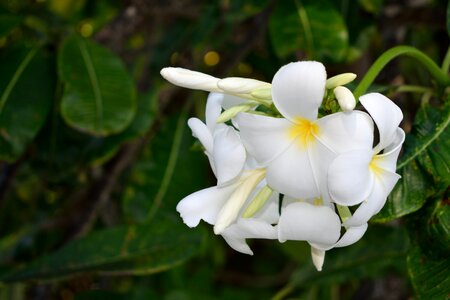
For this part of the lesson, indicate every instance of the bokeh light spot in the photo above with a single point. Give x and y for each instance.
(86, 30)
(211, 58)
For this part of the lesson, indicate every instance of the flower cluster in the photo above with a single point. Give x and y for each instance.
(285, 169)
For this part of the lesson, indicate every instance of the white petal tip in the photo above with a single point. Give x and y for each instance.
(219, 228)
(318, 257)
(164, 72)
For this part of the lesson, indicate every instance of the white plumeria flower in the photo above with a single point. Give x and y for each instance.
(298, 148)
(221, 205)
(367, 176)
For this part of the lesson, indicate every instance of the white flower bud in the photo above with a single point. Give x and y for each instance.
(341, 79)
(345, 98)
(239, 85)
(258, 202)
(191, 79)
(265, 93)
(230, 210)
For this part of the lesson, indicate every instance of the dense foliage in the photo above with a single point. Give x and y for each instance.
(95, 152)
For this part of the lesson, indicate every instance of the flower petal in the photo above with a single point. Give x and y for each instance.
(349, 178)
(388, 160)
(298, 89)
(204, 205)
(382, 186)
(251, 228)
(351, 236)
(264, 137)
(343, 132)
(213, 110)
(292, 174)
(191, 79)
(229, 155)
(386, 114)
(302, 221)
(200, 131)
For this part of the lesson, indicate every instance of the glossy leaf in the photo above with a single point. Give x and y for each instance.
(433, 130)
(429, 274)
(428, 262)
(99, 94)
(140, 249)
(26, 93)
(312, 27)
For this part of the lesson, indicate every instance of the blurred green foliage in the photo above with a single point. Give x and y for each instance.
(95, 152)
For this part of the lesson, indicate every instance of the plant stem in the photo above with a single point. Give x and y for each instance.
(413, 89)
(440, 76)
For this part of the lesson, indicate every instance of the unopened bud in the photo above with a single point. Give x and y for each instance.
(258, 202)
(264, 94)
(229, 212)
(338, 80)
(232, 112)
(239, 85)
(345, 98)
(191, 79)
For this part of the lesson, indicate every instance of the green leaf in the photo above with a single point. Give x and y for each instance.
(61, 151)
(381, 248)
(100, 149)
(99, 94)
(428, 262)
(26, 87)
(315, 28)
(430, 135)
(137, 250)
(429, 275)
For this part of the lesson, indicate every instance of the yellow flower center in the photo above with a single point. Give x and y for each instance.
(374, 165)
(303, 131)
(318, 201)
